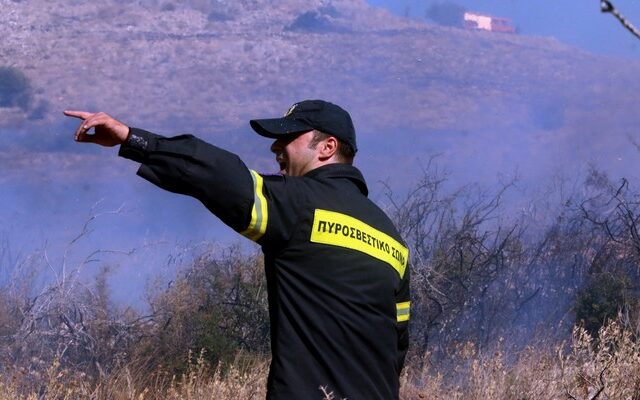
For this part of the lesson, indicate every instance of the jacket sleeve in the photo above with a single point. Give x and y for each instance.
(187, 165)
(403, 305)
(262, 208)
(282, 198)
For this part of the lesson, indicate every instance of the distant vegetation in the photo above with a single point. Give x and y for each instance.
(16, 91)
(15, 88)
(447, 14)
(317, 21)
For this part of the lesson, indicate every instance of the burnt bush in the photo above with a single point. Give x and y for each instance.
(468, 269)
(494, 281)
(612, 211)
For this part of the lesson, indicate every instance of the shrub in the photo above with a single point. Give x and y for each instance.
(600, 301)
(15, 88)
(448, 14)
(318, 21)
(218, 305)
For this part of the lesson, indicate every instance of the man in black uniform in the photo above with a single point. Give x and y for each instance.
(337, 276)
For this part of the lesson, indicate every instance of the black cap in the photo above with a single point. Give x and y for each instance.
(308, 115)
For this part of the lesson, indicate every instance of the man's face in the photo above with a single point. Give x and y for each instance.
(294, 155)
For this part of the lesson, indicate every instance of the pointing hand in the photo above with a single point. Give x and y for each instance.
(108, 131)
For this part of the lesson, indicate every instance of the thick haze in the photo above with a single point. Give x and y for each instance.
(575, 22)
(491, 106)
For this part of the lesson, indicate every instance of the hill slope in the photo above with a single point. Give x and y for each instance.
(210, 66)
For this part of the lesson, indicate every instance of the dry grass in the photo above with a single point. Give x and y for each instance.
(243, 379)
(606, 368)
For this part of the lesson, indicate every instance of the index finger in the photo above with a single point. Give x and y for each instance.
(77, 114)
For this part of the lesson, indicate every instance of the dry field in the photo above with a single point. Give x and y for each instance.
(604, 368)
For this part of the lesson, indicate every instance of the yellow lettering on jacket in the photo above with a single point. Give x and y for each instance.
(333, 228)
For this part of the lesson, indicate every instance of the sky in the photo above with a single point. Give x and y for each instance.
(579, 23)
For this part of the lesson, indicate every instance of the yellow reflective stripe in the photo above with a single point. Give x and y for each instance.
(403, 311)
(259, 212)
(333, 228)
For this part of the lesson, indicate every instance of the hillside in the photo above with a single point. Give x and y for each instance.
(492, 106)
(208, 67)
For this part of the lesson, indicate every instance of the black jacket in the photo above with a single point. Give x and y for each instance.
(337, 276)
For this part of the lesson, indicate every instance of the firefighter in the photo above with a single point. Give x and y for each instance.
(336, 268)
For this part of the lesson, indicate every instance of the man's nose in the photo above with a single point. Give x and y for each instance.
(276, 146)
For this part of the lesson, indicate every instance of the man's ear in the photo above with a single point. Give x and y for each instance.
(328, 148)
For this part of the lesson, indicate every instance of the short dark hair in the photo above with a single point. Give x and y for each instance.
(345, 153)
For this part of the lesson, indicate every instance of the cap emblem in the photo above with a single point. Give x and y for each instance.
(291, 109)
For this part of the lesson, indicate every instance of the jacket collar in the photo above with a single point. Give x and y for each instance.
(340, 171)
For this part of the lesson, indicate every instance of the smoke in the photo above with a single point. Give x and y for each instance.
(490, 107)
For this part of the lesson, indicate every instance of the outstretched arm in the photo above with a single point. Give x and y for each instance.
(187, 165)
(182, 164)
